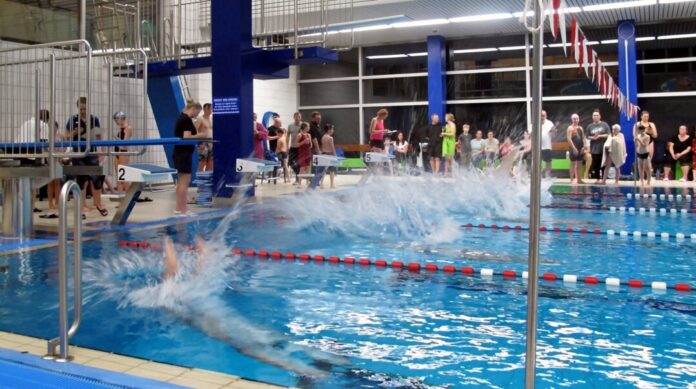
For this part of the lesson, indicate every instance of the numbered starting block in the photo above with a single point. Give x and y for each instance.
(375, 162)
(248, 168)
(321, 164)
(137, 175)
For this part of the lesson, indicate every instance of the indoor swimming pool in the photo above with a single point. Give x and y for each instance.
(320, 321)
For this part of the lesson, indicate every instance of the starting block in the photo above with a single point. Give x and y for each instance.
(255, 165)
(137, 174)
(375, 162)
(321, 164)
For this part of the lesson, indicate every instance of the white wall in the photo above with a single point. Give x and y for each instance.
(279, 96)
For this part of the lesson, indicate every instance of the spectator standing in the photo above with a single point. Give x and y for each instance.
(643, 141)
(303, 143)
(281, 151)
(598, 132)
(315, 132)
(204, 127)
(328, 148)
(183, 155)
(614, 153)
(433, 135)
(260, 136)
(464, 143)
(576, 143)
(377, 130)
(77, 131)
(125, 132)
(548, 130)
(448, 135)
(679, 150)
(293, 131)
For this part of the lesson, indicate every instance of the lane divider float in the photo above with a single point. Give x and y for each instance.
(610, 282)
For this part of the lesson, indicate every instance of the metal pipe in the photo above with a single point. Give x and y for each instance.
(262, 18)
(88, 113)
(138, 33)
(65, 333)
(110, 102)
(535, 194)
(295, 17)
(528, 91)
(361, 113)
(83, 19)
(180, 28)
(52, 108)
(37, 106)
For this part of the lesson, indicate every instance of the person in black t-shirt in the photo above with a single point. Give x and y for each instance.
(183, 154)
(315, 132)
(433, 132)
(679, 150)
(76, 130)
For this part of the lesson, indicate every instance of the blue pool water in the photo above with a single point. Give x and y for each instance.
(397, 329)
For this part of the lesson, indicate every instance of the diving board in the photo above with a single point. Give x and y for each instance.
(137, 174)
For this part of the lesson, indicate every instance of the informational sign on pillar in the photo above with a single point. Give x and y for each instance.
(226, 106)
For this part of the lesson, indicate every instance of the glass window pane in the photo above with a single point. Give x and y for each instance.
(329, 93)
(668, 113)
(395, 90)
(403, 119)
(485, 85)
(345, 121)
(347, 66)
(412, 61)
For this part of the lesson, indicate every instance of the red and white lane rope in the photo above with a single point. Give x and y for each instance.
(610, 282)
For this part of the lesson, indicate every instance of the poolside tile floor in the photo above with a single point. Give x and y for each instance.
(190, 377)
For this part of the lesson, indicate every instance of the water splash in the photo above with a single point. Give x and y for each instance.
(424, 209)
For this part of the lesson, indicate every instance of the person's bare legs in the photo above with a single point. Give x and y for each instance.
(182, 185)
(332, 176)
(571, 171)
(668, 169)
(209, 164)
(607, 166)
(578, 172)
(685, 172)
(171, 264)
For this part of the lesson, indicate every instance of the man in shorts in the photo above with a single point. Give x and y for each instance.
(204, 126)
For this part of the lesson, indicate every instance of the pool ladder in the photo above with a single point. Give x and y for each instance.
(55, 353)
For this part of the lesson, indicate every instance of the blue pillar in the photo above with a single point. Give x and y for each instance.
(167, 102)
(437, 78)
(233, 99)
(628, 84)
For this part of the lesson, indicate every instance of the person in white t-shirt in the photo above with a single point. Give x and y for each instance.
(548, 131)
(27, 132)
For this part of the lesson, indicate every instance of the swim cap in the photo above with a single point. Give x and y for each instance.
(119, 115)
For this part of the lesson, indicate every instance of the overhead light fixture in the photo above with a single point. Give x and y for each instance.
(511, 48)
(481, 50)
(363, 23)
(554, 45)
(678, 36)
(373, 28)
(386, 56)
(481, 18)
(625, 4)
(420, 54)
(675, 1)
(645, 38)
(590, 43)
(610, 41)
(420, 23)
(567, 10)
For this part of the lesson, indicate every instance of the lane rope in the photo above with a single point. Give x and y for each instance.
(611, 282)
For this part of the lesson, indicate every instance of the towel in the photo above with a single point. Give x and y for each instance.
(615, 146)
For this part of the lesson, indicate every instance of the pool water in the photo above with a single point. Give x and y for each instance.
(397, 329)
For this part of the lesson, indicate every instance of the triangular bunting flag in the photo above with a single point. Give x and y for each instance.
(573, 36)
(555, 18)
(585, 55)
(563, 27)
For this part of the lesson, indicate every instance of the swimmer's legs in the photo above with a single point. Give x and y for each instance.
(171, 264)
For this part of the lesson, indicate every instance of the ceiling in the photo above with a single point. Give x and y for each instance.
(435, 9)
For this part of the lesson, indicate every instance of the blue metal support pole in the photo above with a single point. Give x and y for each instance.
(233, 98)
(628, 84)
(437, 77)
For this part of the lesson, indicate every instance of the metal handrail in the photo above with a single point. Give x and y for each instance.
(65, 333)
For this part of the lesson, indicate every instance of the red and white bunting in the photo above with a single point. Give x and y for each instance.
(563, 26)
(592, 56)
(573, 37)
(585, 55)
(555, 17)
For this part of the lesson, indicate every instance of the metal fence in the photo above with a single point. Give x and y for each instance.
(41, 85)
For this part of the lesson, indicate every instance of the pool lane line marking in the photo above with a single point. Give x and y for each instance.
(680, 237)
(431, 267)
(662, 196)
(622, 209)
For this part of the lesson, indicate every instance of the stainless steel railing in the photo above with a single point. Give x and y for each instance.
(62, 354)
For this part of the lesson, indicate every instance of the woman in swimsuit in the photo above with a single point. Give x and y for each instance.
(643, 141)
(576, 140)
